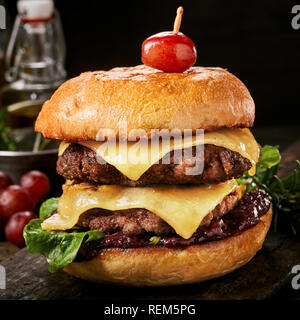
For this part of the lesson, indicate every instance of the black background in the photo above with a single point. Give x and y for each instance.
(252, 39)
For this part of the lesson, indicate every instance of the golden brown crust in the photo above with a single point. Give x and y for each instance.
(163, 266)
(146, 98)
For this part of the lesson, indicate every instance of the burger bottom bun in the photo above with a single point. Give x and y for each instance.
(163, 266)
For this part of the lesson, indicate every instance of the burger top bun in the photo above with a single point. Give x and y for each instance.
(145, 98)
(161, 266)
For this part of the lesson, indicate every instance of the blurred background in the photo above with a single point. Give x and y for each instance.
(252, 39)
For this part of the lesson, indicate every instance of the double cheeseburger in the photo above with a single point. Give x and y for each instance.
(161, 226)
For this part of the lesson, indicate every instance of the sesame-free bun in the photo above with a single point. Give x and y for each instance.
(145, 98)
(163, 266)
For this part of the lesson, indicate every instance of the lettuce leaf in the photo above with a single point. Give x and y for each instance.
(47, 207)
(59, 247)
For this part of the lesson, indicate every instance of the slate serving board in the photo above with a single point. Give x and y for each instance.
(266, 276)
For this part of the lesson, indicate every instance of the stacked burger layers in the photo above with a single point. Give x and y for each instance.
(163, 223)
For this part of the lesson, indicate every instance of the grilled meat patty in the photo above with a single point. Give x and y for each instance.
(134, 222)
(220, 164)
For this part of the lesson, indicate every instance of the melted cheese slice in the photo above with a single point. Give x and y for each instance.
(182, 207)
(124, 157)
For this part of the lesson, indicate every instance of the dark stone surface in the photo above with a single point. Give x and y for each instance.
(6, 249)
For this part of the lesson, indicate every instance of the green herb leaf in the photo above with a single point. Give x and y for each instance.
(270, 157)
(284, 193)
(44, 143)
(154, 240)
(6, 141)
(48, 207)
(40, 143)
(59, 247)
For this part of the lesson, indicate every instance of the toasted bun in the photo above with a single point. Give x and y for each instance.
(164, 266)
(146, 98)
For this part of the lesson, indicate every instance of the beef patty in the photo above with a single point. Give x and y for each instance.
(220, 164)
(135, 222)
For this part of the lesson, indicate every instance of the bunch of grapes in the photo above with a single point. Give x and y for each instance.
(18, 202)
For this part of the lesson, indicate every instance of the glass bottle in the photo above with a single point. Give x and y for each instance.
(34, 61)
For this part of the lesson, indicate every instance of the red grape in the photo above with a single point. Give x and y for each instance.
(5, 180)
(37, 184)
(14, 199)
(15, 226)
(169, 52)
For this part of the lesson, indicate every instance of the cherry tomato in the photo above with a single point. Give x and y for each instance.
(169, 52)
(15, 226)
(37, 184)
(5, 180)
(14, 199)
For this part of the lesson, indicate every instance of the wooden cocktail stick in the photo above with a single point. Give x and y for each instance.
(177, 21)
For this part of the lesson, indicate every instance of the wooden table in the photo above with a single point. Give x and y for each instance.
(266, 276)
